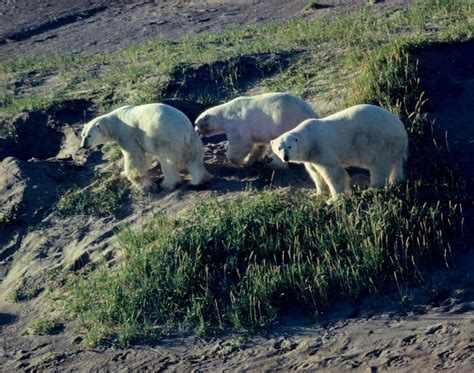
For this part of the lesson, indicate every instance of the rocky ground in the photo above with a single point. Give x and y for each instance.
(432, 332)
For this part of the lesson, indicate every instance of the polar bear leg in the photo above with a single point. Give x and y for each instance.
(321, 186)
(256, 154)
(170, 172)
(237, 151)
(337, 179)
(379, 175)
(199, 174)
(397, 174)
(136, 170)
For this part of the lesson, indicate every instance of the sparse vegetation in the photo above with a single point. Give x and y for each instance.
(24, 293)
(106, 196)
(45, 327)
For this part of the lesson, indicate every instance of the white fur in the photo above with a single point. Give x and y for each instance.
(251, 122)
(148, 131)
(364, 136)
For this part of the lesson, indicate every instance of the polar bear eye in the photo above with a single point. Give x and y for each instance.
(289, 147)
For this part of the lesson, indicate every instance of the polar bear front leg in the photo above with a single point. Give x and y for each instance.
(136, 171)
(171, 175)
(337, 179)
(321, 186)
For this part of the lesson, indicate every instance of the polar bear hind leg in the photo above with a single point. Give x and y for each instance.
(379, 174)
(199, 174)
(237, 151)
(257, 153)
(170, 173)
(397, 174)
(321, 186)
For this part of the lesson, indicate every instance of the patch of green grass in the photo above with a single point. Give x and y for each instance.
(24, 293)
(388, 78)
(104, 197)
(45, 327)
(238, 264)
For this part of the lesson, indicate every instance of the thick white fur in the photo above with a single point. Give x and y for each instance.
(363, 136)
(148, 131)
(251, 122)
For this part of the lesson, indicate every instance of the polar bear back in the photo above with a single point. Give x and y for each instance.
(264, 117)
(357, 135)
(158, 125)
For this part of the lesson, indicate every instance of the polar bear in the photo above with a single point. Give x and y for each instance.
(251, 122)
(148, 131)
(364, 136)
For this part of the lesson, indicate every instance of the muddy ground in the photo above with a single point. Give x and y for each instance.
(435, 331)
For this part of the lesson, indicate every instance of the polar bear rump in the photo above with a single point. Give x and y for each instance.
(147, 132)
(364, 136)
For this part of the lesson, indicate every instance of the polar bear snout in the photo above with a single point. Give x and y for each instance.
(286, 155)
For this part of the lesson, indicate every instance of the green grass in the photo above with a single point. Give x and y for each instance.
(104, 197)
(238, 264)
(24, 293)
(44, 327)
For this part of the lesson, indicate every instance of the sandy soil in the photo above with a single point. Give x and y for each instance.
(433, 332)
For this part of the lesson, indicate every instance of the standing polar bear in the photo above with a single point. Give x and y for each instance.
(364, 136)
(251, 122)
(147, 131)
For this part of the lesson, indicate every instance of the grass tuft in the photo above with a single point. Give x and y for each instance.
(44, 327)
(24, 293)
(389, 78)
(103, 198)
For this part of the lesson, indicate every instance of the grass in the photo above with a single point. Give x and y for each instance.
(44, 327)
(24, 293)
(242, 262)
(106, 196)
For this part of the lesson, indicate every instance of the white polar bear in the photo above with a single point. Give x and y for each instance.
(251, 122)
(364, 136)
(147, 131)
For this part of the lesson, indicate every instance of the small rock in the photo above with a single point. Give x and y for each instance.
(433, 329)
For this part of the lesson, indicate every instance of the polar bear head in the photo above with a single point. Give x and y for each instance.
(288, 147)
(95, 133)
(208, 124)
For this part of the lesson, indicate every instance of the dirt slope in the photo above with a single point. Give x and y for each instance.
(53, 27)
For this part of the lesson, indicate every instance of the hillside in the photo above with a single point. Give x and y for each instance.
(69, 228)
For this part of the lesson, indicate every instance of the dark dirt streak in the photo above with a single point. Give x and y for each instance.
(51, 25)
